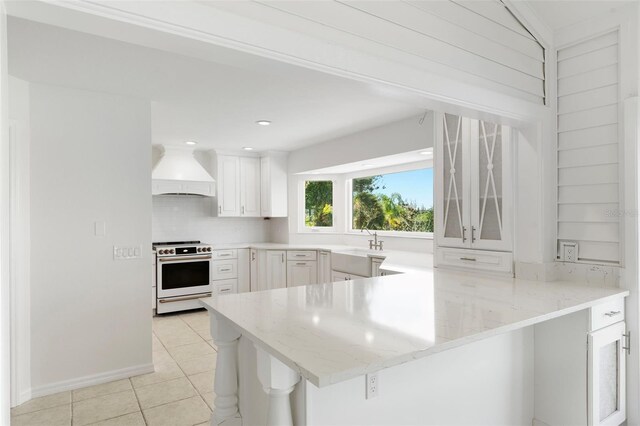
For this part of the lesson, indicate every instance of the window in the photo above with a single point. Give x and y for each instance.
(396, 202)
(318, 204)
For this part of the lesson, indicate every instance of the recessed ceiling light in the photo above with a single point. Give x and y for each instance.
(247, 148)
(191, 143)
(425, 153)
(366, 165)
(263, 122)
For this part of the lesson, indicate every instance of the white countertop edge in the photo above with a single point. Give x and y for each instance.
(350, 374)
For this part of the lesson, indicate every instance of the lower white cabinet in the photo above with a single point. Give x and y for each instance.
(244, 270)
(222, 287)
(302, 272)
(253, 266)
(343, 276)
(324, 267)
(375, 267)
(275, 270)
(580, 368)
(606, 375)
(476, 260)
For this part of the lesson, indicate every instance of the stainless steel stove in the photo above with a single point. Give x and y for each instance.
(183, 275)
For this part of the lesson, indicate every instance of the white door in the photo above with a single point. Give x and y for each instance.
(452, 177)
(228, 186)
(276, 270)
(490, 186)
(324, 267)
(249, 186)
(302, 273)
(606, 403)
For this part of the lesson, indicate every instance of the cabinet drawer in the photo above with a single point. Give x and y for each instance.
(301, 255)
(606, 314)
(226, 287)
(224, 269)
(225, 254)
(477, 260)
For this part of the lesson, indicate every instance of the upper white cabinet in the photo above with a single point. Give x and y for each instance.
(249, 186)
(228, 180)
(473, 184)
(273, 185)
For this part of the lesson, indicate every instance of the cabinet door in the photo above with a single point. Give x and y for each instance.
(276, 271)
(228, 186)
(324, 267)
(255, 285)
(490, 186)
(452, 161)
(244, 268)
(339, 276)
(606, 376)
(249, 186)
(302, 273)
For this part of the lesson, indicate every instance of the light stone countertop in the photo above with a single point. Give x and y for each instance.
(333, 332)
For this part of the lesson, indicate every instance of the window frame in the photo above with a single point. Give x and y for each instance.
(427, 164)
(302, 227)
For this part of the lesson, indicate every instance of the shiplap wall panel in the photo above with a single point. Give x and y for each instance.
(589, 194)
(588, 148)
(609, 39)
(581, 101)
(591, 156)
(594, 117)
(591, 136)
(599, 252)
(589, 175)
(486, 28)
(588, 62)
(599, 213)
(589, 80)
(411, 29)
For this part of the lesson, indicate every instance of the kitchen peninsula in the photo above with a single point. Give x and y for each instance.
(431, 348)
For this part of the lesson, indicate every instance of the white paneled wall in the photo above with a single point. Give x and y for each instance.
(184, 217)
(481, 39)
(588, 148)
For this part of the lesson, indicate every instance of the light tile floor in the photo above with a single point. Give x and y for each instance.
(178, 393)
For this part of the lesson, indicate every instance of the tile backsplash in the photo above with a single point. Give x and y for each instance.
(185, 217)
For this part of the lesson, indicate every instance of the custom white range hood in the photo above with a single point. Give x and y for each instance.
(178, 172)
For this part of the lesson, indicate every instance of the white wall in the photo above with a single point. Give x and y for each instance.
(399, 137)
(90, 161)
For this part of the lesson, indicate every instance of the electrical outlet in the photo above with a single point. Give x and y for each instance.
(127, 252)
(372, 385)
(569, 251)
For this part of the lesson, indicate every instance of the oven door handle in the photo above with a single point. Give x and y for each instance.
(180, 299)
(178, 259)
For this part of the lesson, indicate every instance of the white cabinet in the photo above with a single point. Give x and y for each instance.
(580, 367)
(238, 181)
(249, 187)
(228, 182)
(343, 276)
(324, 267)
(224, 271)
(606, 376)
(473, 184)
(375, 267)
(302, 272)
(253, 260)
(244, 270)
(275, 269)
(273, 185)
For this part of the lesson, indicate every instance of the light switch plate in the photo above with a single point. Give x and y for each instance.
(100, 228)
(127, 252)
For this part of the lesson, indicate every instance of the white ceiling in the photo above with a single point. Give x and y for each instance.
(563, 13)
(212, 103)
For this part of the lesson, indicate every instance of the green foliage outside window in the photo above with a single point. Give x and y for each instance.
(377, 211)
(318, 203)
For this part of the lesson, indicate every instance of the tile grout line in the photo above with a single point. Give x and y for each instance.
(144, 419)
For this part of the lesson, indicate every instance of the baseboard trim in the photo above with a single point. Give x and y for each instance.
(95, 379)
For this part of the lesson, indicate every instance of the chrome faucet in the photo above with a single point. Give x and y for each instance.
(373, 244)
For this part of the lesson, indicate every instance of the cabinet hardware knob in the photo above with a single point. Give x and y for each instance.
(612, 313)
(471, 259)
(627, 337)
(473, 234)
(464, 234)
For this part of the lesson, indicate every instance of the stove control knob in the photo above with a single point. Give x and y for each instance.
(172, 251)
(208, 248)
(199, 249)
(161, 252)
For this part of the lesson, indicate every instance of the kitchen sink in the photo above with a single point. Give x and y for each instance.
(352, 261)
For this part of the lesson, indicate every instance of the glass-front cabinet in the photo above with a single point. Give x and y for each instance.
(473, 184)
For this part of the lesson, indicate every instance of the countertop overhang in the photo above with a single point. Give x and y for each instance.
(334, 332)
